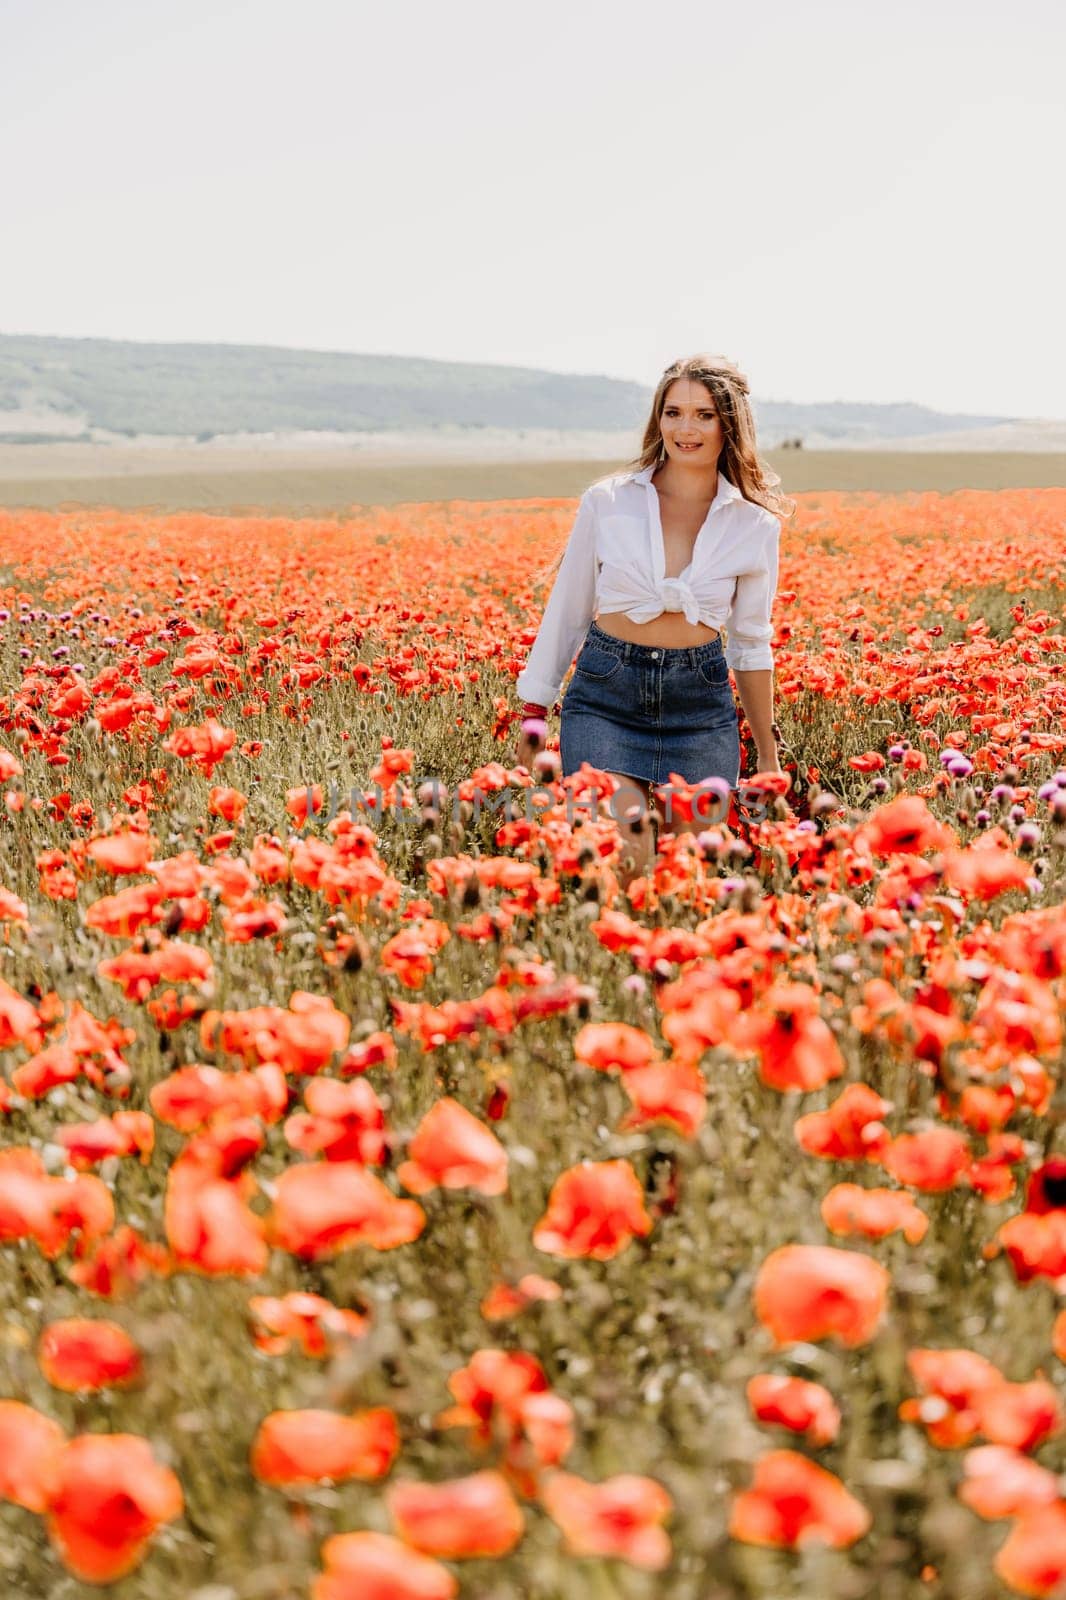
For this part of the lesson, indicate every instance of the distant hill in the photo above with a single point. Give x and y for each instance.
(96, 389)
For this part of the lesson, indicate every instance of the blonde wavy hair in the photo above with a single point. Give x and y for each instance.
(739, 458)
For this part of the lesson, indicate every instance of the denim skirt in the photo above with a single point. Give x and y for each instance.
(647, 712)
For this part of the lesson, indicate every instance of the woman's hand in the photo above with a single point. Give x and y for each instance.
(770, 762)
(532, 737)
(526, 750)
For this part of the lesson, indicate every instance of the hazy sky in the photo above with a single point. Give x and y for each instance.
(854, 199)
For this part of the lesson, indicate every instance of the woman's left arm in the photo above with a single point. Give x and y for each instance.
(756, 691)
(748, 651)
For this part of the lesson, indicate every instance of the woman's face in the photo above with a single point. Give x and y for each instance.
(690, 417)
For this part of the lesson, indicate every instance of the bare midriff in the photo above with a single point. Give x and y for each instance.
(669, 630)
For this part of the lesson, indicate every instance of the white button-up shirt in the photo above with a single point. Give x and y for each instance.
(615, 560)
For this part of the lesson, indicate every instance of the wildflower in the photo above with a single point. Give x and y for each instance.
(506, 1392)
(343, 1122)
(666, 1091)
(119, 1263)
(452, 1149)
(904, 825)
(621, 1517)
(932, 1160)
(1018, 1415)
(107, 1497)
(1001, 1482)
(982, 873)
(850, 1129)
(126, 1133)
(796, 1047)
(309, 1320)
(375, 1566)
(1032, 1559)
(594, 1209)
(506, 1300)
(323, 1207)
(794, 1502)
(292, 1449)
(459, 1519)
(949, 1382)
(28, 1443)
(794, 1403)
(79, 1354)
(194, 1096)
(811, 1292)
(874, 1213)
(614, 1044)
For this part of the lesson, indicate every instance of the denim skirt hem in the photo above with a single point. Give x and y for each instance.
(648, 712)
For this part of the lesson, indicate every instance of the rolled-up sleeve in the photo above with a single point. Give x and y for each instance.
(570, 608)
(748, 627)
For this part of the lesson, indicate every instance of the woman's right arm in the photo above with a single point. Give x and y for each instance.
(570, 608)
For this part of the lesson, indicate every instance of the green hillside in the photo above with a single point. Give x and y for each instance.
(52, 387)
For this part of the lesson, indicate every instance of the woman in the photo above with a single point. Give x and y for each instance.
(662, 558)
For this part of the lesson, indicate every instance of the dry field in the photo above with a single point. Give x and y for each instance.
(308, 480)
(392, 1207)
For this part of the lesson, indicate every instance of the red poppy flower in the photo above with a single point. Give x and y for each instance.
(614, 1044)
(194, 1096)
(1046, 1189)
(794, 1403)
(699, 1011)
(874, 1213)
(29, 1443)
(209, 1226)
(19, 1021)
(459, 1519)
(933, 1160)
(343, 1122)
(292, 1449)
(1036, 1245)
(126, 1133)
(107, 1498)
(620, 1517)
(811, 1292)
(595, 1209)
(375, 1566)
(1019, 1014)
(505, 1393)
(50, 1210)
(794, 1502)
(667, 1091)
(80, 1354)
(1001, 1482)
(495, 1382)
(323, 1207)
(451, 1149)
(506, 1300)
(309, 1320)
(123, 852)
(1032, 1559)
(796, 1046)
(950, 1382)
(850, 1129)
(1020, 1415)
(904, 825)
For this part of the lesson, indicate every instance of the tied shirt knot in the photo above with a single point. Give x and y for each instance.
(677, 595)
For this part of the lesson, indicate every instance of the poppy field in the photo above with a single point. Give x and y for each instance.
(397, 1205)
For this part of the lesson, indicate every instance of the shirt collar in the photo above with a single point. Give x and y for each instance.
(726, 490)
